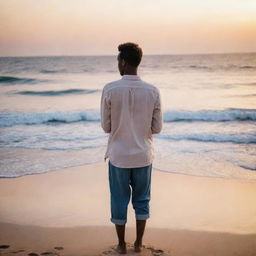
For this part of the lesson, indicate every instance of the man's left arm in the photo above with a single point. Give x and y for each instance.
(105, 111)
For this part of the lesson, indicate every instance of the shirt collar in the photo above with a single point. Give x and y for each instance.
(131, 77)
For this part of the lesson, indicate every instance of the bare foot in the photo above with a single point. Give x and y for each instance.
(137, 246)
(121, 248)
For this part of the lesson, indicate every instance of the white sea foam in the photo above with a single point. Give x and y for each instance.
(23, 118)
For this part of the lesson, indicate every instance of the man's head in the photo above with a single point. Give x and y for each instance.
(129, 57)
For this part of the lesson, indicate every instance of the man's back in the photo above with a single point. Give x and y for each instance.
(131, 113)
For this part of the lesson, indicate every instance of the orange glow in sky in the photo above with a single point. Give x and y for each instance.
(85, 27)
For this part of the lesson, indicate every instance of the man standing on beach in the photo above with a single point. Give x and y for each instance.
(130, 113)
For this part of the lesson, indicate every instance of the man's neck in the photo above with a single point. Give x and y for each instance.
(130, 72)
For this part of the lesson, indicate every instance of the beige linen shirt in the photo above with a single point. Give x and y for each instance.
(130, 112)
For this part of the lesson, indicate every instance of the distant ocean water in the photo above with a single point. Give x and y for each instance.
(50, 119)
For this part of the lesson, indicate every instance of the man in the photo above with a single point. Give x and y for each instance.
(130, 113)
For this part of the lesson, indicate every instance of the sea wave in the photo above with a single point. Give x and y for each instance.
(240, 67)
(21, 118)
(65, 71)
(10, 80)
(212, 67)
(248, 167)
(248, 138)
(25, 118)
(229, 114)
(56, 93)
(199, 67)
(247, 66)
(51, 71)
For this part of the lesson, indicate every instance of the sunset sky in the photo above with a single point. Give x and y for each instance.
(96, 27)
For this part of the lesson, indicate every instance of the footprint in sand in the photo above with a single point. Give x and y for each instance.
(17, 251)
(4, 246)
(59, 248)
(145, 251)
(44, 253)
(50, 253)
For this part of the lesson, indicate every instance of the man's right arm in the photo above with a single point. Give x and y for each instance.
(157, 118)
(105, 112)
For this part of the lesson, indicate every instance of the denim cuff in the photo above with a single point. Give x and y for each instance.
(118, 221)
(142, 216)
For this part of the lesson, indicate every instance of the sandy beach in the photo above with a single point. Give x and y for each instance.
(67, 212)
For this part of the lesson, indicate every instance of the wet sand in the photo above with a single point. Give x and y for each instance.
(70, 209)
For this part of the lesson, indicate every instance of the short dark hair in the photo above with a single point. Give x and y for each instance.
(131, 53)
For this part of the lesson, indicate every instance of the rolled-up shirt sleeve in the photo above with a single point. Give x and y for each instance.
(157, 118)
(105, 111)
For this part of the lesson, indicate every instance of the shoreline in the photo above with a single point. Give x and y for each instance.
(156, 169)
(172, 168)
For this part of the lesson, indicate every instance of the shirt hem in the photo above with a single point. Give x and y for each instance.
(131, 166)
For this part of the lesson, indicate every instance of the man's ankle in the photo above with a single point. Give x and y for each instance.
(121, 248)
(137, 246)
(138, 242)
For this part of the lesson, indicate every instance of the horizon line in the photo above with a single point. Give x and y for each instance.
(103, 55)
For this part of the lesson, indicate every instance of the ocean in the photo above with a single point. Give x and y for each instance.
(50, 113)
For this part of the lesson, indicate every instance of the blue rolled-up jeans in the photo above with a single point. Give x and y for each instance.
(124, 182)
